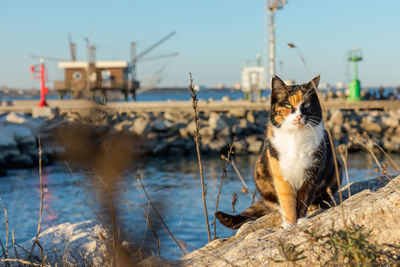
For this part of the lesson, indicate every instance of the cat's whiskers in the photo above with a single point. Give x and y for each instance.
(312, 128)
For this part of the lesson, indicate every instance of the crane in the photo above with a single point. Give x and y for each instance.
(135, 58)
(72, 48)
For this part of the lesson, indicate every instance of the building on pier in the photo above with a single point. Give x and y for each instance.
(85, 79)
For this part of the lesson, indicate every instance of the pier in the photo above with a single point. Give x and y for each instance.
(77, 106)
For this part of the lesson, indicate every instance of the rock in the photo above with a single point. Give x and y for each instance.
(336, 118)
(337, 131)
(237, 113)
(250, 117)
(395, 139)
(172, 116)
(394, 114)
(242, 128)
(7, 138)
(206, 132)
(8, 145)
(240, 147)
(262, 118)
(191, 128)
(390, 122)
(225, 133)
(262, 243)
(162, 125)
(121, 126)
(218, 145)
(217, 122)
(44, 112)
(140, 126)
(369, 124)
(255, 145)
(14, 117)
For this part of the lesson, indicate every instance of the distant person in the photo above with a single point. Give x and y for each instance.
(367, 95)
(381, 93)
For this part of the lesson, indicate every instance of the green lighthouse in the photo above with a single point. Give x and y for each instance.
(355, 55)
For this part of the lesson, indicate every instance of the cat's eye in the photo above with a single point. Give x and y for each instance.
(288, 106)
(307, 105)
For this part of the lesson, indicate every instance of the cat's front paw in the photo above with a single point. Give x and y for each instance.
(287, 225)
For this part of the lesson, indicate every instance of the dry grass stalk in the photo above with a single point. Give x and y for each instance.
(5, 252)
(154, 232)
(343, 155)
(323, 119)
(13, 239)
(41, 199)
(366, 142)
(197, 139)
(223, 175)
(245, 189)
(159, 216)
(20, 261)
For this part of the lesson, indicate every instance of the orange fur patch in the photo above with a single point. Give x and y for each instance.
(284, 191)
(282, 113)
(295, 99)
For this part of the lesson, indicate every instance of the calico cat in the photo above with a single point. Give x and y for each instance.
(295, 168)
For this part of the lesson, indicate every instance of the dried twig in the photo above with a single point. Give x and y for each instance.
(20, 261)
(13, 240)
(197, 139)
(154, 232)
(365, 141)
(223, 175)
(343, 155)
(323, 118)
(6, 222)
(232, 162)
(159, 216)
(41, 199)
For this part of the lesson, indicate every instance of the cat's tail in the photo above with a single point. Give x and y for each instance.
(254, 212)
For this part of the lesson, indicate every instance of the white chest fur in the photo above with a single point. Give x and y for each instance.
(296, 149)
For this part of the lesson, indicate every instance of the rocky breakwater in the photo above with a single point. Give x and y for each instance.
(165, 132)
(19, 140)
(382, 126)
(170, 132)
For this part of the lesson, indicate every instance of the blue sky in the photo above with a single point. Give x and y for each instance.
(213, 37)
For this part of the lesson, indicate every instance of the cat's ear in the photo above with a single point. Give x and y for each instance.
(315, 81)
(278, 91)
(277, 84)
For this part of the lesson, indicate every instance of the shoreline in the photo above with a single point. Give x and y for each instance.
(161, 129)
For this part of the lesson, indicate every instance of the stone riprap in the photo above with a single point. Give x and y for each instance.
(263, 242)
(163, 132)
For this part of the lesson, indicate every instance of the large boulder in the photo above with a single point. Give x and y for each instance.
(217, 121)
(264, 243)
(22, 134)
(85, 247)
(14, 117)
(162, 125)
(141, 126)
(84, 243)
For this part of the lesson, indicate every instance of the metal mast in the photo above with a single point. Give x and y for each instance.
(272, 6)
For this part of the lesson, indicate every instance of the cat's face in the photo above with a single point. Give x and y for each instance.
(295, 106)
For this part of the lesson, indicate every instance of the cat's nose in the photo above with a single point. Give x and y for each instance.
(298, 117)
